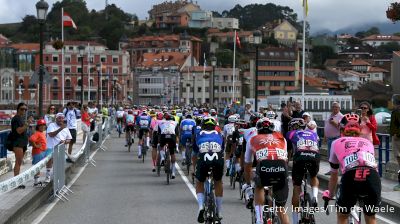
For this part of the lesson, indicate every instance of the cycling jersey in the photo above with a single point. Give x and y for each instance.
(120, 114)
(352, 152)
(277, 125)
(229, 129)
(195, 132)
(143, 122)
(130, 119)
(166, 132)
(186, 127)
(267, 147)
(303, 141)
(167, 127)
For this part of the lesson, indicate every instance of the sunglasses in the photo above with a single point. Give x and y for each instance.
(52, 108)
(24, 109)
(363, 108)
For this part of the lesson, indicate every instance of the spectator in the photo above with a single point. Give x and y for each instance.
(298, 111)
(395, 133)
(58, 133)
(19, 137)
(40, 150)
(311, 124)
(92, 110)
(50, 116)
(85, 121)
(368, 123)
(285, 119)
(332, 127)
(71, 117)
(104, 112)
(248, 112)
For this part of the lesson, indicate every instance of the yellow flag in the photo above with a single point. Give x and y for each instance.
(305, 5)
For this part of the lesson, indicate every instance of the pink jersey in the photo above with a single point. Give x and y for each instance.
(351, 152)
(153, 123)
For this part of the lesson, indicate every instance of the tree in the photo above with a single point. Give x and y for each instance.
(321, 53)
(389, 47)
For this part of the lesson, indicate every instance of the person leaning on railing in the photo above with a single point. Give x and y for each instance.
(395, 133)
(19, 143)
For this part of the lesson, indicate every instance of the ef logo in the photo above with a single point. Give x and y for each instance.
(361, 174)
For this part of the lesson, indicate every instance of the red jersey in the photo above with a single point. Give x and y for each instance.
(269, 147)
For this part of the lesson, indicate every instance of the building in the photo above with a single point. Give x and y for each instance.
(183, 43)
(395, 79)
(172, 14)
(4, 40)
(228, 37)
(225, 23)
(278, 71)
(285, 33)
(200, 19)
(223, 85)
(114, 66)
(377, 40)
(158, 79)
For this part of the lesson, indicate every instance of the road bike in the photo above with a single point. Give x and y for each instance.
(119, 129)
(232, 172)
(306, 202)
(188, 156)
(130, 141)
(210, 208)
(270, 215)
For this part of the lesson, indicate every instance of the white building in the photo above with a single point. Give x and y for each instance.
(200, 19)
(377, 40)
(225, 23)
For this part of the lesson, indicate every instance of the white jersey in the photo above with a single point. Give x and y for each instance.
(277, 125)
(167, 127)
(248, 134)
(229, 129)
(120, 114)
(312, 123)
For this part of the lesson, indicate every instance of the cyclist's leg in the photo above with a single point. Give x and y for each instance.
(373, 190)
(238, 153)
(172, 147)
(297, 179)
(201, 174)
(219, 190)
(154, 150)
(182, 145)
(140, 143)
(313, 170)
(280, 194)
(259, 202)
(127, 133)
(148, 138)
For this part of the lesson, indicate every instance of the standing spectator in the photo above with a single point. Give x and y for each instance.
(58, 133)
(247, 112)
(104, 112)
(40, 150)
(368, 123)
(85, 121)
(19, 136)
(71, 117)
(311, 125)
(285, 119)
(332, 127)
(395, 133)
(298, 111)
(92, 110)
(50, 116)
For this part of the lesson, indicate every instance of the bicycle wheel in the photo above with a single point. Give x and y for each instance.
(119, 131)
(188, 156)
(167, 165)
(158, 163)
(253, 215)
(144, 150)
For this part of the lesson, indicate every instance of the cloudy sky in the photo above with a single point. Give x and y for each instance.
(323, 14)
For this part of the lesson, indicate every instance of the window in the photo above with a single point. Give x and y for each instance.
(115, 70)
(103, 59)
(47, 58)
(71, 48)
(68, 59)
(68, 83)
(79, 82)
(115, 60)
(67, 70)
(198, 89)
(91, 59)
(55, 96)
(79, 69)
(54, 69)
(91, 82)
(55, 58)
(55, 83)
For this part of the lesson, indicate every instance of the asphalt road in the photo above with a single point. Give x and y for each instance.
(121, 189)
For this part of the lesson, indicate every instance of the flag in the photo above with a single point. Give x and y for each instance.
(305, 6)
(68, 22)
(238, 40)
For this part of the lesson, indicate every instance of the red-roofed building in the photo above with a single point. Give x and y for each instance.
(377, 40)
(4, 40)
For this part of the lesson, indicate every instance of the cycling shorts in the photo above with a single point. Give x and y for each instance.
(273, 173)
(120, 120)
(170, 140)
(185, 138)
(364, 181)
(142, 132)
(206, 161)
(228, 145)
(130, 128)
(155, 139)
(303, 161)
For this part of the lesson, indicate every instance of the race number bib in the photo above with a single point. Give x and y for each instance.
(262, 154)
(144, 123)
(209, 147)
(282, 154)
(351, 160)
(187, 127)
(369, 159)
(230, 129)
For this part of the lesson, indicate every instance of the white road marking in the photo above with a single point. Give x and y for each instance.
(185, 179)
(50, 207)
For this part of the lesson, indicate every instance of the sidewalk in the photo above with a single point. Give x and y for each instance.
(16, 203)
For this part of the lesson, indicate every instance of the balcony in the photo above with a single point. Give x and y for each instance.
(276, 78)
(277, 68)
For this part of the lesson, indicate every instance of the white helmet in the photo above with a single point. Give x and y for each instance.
(213, 111)
(271, 114)
(120, 108)
(233, 119)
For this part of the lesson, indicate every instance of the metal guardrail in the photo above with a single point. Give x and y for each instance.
(3, 138)
(60, 190)
(384, 147)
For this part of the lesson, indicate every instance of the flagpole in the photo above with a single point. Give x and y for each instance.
(88, 72)
(234, 68)
(204, 80)
(304, 50)
(62, 56)
(188, 87)
(101, 85)
(108, 86)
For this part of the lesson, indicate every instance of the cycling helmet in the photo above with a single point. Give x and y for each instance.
(173, 112)
(160, 116)
(188, 116)
(297, 123)
(168, 117)
(135, 112)
(350, 118)
(270, 114)
(201, 111)
(264, 125)
(213, 112)
(350, 125)
(199, 119)
(130, 111)
(120, 108)
(233, 119)
(41, 122)
(179, 114)
(144, 113)
(196, 113)
(254, 118)
(208, 123)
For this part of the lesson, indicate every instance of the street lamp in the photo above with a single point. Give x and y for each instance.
(20, 90)
(81, 52)
(98, 67)
(257, 40)
(114, 91)
(194, 82)
(213, 64)
(41, 8)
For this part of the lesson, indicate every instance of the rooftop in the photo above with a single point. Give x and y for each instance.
(164, 59)
(382, 38)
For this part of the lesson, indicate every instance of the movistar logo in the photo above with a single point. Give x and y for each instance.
(210, 157)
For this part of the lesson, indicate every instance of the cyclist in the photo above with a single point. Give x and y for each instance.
(209, 141)
(195, 131)
(213, 113)
(355, 157)
(129, 125)
(167, 135)
(154, 141)
(120, 118)
(229, 130)
(272, 117)
(270, 152)
(143, 122)
(305, 145)
(186, 127)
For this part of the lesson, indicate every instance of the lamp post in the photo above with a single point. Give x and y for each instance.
(20, 90)
(114, 98)
(213, 64)
(41, 9)
(194, 82)
(81, 52)
(98, 67)
(257, 40)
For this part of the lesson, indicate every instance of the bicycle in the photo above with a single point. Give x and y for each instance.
(269, 209)
(188, 156)
(210, 208)
(158, 162)
(130, 142)
(119, 129)
(306, 204)
(232, 172)
(167, 163)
